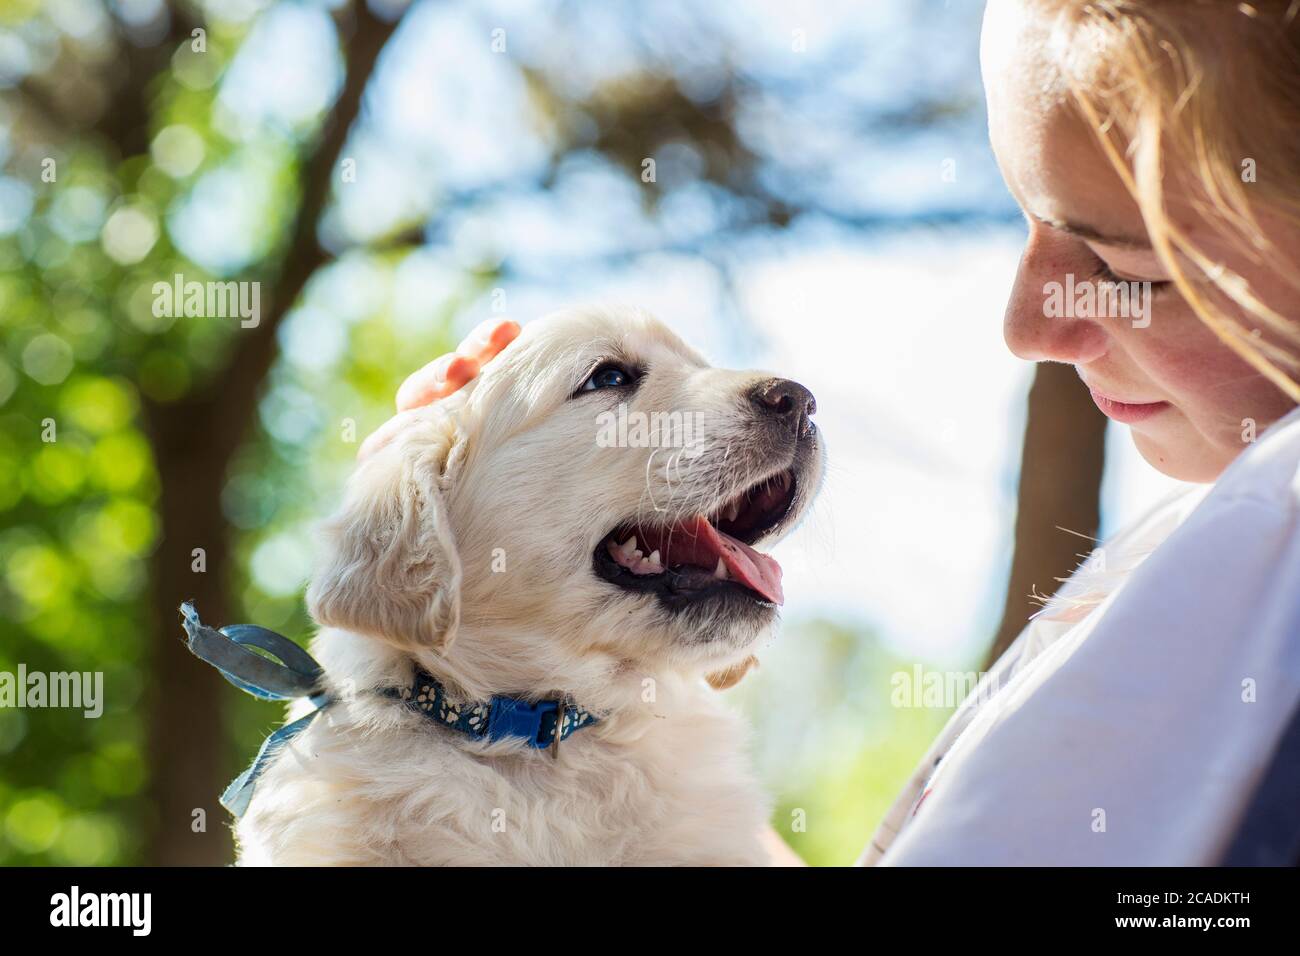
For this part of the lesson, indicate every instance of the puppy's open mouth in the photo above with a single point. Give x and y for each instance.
(703, 555)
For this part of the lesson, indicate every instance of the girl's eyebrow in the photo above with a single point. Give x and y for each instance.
(1093, 234)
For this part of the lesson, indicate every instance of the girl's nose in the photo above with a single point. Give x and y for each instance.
(1040, 324)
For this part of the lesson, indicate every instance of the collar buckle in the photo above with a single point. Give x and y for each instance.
(511, 717)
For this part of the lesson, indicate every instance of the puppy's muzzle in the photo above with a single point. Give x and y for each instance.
(772, 460)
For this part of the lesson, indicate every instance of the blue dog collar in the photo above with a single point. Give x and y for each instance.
(501, 718)
(293, 673)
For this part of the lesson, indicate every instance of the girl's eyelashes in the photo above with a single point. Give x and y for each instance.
(1104, 273)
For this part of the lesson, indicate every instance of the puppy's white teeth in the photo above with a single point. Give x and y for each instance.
(628, 546)
(720, 572)
(733, 509)
(654, 558)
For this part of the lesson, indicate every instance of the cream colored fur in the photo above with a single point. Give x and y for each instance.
(466, 546)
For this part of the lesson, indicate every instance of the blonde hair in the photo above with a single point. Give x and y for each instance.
(1217, 85)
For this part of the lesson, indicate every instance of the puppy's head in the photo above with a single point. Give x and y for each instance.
(598, 489)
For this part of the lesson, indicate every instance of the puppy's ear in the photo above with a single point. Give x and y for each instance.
(733, 675)
(390, 567)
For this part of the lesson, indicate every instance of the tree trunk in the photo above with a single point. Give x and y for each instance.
(1060, 492)
(194, 442)
(187, 730)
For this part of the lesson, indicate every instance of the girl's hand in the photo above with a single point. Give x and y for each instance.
(443, 376)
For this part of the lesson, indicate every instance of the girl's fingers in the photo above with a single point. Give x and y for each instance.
(443, 376)
(488, 338)
(448, 373)
(436, 380)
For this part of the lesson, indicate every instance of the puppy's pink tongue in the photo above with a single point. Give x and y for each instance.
(756, 571)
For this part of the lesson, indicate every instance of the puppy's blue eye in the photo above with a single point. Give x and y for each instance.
(607, 376)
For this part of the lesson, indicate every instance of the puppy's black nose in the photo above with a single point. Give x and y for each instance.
(785, 401)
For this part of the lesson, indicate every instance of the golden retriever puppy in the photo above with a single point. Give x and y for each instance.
(567, 542)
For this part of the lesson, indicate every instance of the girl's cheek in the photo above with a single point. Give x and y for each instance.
(1180, 353)
(1220, 394)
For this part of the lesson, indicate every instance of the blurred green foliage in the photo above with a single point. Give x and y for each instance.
(80, 351)
(829, 744)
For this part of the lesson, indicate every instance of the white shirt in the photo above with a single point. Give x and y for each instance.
(1132, 732)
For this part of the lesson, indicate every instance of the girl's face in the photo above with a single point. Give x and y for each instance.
(1191, 402)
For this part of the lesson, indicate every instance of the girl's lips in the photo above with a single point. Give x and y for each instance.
(1126, 413)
